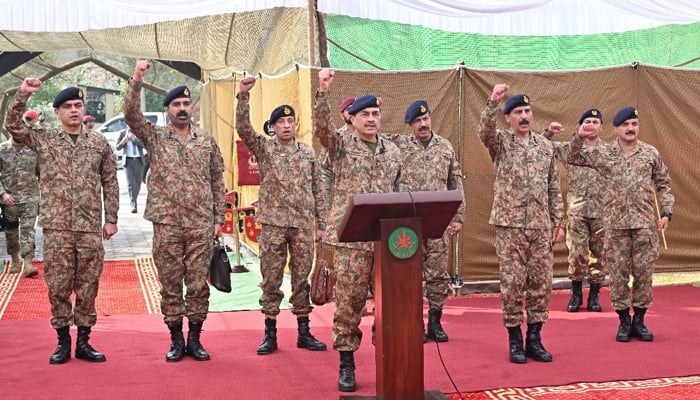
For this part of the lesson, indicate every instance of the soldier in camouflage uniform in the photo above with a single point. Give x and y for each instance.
(527, 212)
(584, 223)
(288, 205)
(186, 201)
(630, 167)
(78, 176)
(363, 162)
(19, 191)
(431, 164)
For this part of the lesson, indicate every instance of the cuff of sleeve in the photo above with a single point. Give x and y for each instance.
(243, 95)
(667, 215)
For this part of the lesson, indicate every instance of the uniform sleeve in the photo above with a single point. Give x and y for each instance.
(487, 128)
(324, 183)
(140, 125)
(561, 149)
(596, 158)
(16, 127)
(218, 188)
(110, 185)
(662, 181)
(323, 126)
(253, 140)
(556, 203)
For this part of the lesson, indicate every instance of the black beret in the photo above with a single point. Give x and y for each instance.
(517, 100)
(71, 93)
(591, 112)
(625, 114)
(416, 109)
(281, 111)
(176, 93)
(362, 102)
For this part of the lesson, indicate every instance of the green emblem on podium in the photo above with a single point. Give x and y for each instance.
(403, 243)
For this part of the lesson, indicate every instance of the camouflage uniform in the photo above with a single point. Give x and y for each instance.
(432, 168)
(186, 197)
(631, 241)
(326, 180)
(584, 217)
(287, 208)
(77, 177)
(19, 177)
(356, 169)
(527, 205)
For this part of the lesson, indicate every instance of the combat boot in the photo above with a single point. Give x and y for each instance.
(62, 352)
(624, 332)
(29, 269)
(194, 347)
(593, 303)
(14, 264)
(533, 344)
(346, 379)
(638, 329)
(177, 345)
(515, 345)
(435, 330)
(576, 296)
(83, 350)
(306, 340)
(269, 343)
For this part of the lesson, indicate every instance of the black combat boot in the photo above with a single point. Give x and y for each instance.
(194, 347)
(306, 340)
(624, 332)
(515, 345)
(435, 331)
(638, 329)
(346, 380)
(269, 343)
(62, 352)
(83, 350)
(177, 343)
(593, 304)
(533, 344)
(576, 296)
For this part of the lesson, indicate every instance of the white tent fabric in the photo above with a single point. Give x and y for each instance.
(492, 17)
(523, 17)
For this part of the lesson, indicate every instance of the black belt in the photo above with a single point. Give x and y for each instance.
(134, 158)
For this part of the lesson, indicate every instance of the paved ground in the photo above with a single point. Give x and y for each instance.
(134, 238)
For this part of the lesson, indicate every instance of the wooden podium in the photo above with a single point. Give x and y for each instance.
(398, 223)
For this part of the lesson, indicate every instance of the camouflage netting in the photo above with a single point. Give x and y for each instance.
(271, 40)
(457, 96)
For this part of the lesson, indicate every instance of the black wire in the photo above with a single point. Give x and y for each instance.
(427, 293)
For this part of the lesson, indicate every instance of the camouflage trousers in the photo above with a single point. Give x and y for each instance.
(275, 243)
(437, 279)
(73, 262)
(526, 267)
(631, 252)
(183, 255)
(353, 273)
(22, 241)
(585, 248)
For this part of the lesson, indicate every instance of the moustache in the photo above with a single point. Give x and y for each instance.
(524, 121)
(182, 114)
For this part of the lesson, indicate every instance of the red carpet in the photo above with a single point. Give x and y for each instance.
(583, 345)
(126, 287)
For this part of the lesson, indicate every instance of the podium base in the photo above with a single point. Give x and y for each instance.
(238, 269)
(429, 395)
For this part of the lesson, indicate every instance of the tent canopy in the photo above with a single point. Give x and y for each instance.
(272, 36)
